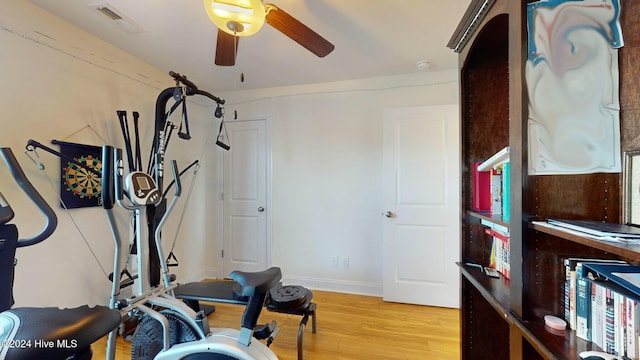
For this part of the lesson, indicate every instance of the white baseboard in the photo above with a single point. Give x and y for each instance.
(195, 278)
(342, 286)
(211, 273)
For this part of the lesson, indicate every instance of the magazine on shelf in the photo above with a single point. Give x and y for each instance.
(598, 228)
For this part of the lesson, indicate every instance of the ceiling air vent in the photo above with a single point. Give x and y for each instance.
(115, 17)
(109, 13)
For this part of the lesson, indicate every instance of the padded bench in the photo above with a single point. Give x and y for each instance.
(288, 299)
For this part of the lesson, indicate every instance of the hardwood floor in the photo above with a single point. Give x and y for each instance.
(350, 327)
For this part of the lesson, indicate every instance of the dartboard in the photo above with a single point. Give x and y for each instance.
(82, 182)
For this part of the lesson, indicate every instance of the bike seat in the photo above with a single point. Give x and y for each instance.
(54, 333)
(257, 282)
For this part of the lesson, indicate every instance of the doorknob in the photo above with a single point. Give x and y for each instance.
(389, 214)
(260, 209)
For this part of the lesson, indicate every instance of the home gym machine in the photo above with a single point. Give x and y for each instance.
(41, 333)
(168, 328)
(290, 299)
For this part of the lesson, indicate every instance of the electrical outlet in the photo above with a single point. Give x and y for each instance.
(334, 261)
(345, 262)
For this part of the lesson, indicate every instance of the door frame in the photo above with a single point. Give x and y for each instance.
(451, 197)
(220, 271)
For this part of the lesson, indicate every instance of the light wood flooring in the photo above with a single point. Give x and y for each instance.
(350, 327)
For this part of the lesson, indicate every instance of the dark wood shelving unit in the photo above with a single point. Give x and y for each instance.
(551, 344)
(629, 251)
(495, 290)
(503, 319)
(496, 219)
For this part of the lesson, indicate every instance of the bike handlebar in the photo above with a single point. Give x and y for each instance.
(36, 198)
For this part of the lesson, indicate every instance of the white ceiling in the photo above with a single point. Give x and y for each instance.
(372, 38)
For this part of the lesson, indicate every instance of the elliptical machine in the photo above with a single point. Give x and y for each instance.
(168, 328)
(41, 333)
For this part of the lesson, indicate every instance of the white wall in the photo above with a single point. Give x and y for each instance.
(327, 172)
(58, 80)
(326, 152)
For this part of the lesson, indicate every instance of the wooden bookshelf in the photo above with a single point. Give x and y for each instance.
(564, 345)
(504, 319)
(488, 216)
(494, 290)
(629, 251)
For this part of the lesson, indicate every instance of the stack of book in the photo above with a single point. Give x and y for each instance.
(491, 184)
(500, 253)
(500, 249)
(601, 304)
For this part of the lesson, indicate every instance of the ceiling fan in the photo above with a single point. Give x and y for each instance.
(236, 18)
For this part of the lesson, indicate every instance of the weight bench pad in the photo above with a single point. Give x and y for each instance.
(212, 291)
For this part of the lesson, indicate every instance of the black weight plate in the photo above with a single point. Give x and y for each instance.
(289, 296)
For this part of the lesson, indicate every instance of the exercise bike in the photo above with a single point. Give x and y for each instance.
(167, 327)
(41, 333)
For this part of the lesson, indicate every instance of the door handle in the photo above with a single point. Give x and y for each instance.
(389, 214)
(260, 209)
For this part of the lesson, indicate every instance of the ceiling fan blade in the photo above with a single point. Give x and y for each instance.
(297, 31)
(226, 49)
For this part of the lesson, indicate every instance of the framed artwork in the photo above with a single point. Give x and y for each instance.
(631, 187)
(572, 81)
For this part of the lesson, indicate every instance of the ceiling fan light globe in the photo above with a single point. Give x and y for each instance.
(236, 17)
(235, 27)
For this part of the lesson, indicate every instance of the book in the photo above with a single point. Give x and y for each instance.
(506, 191)
(609, 329)
(598, 314)
(500, 252)
(598, 228)
(583, 306)
(496, 191)
(631, 350)
(570, 280)
(619, 323)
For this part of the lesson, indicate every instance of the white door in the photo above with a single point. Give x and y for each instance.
(421, 197)
(245, 235)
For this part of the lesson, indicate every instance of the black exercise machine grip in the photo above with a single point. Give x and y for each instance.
(124, 126)
(136, 134)
(108, 192)
(223, 145)
(119, 169)
(36, 198)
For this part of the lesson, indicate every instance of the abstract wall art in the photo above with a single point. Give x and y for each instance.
(572, 82)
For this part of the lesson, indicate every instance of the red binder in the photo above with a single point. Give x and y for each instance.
(481, 189)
